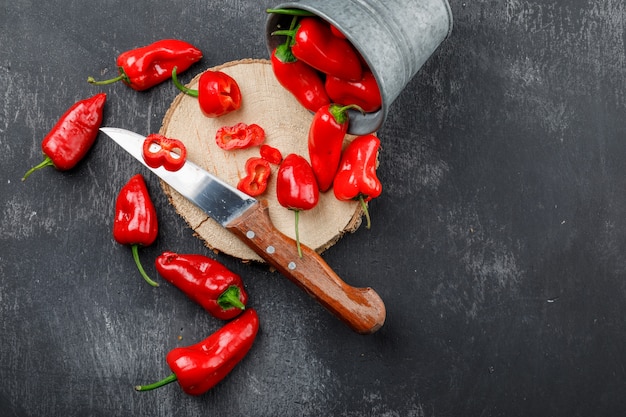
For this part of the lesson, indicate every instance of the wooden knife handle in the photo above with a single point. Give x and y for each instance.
(360, 308)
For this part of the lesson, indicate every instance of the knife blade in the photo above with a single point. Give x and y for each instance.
(361, 309)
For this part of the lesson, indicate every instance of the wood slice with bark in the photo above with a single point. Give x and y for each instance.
(286, 124)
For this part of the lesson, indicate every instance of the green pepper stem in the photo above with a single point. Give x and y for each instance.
(285, 32)
(230, 299)
(121, 77)
(340, 113)
(135, 249)
(297, 215)
(93, 81)
(365, 210)
(47, 162)
(290, 12)
(158, 384)
(186, 90)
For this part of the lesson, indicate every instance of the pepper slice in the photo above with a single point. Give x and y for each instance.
(271, 154)
(296, 188)
(147, 66)
(159, 150)
(72, 136)
(356, 177)
(239, 136)
(200, 367)
(205, 281)
(135, 221)
(257, 174)
(218, 93)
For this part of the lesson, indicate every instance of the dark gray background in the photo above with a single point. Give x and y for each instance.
(498, 245)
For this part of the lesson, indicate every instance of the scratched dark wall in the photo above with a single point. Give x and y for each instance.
(498, 245)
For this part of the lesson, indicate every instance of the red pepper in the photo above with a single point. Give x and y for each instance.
(239, 136)
(363, 93)
(315, 44)
(73, 135)
(205, 281)
(297, 77)
(147, 66)
(200, 367)
(326, 134)
(356, 178)
(257, 174)
(271, 154)
(336, 32)
(296, 188)
(159, 150)
(135, 221)
(218, 93)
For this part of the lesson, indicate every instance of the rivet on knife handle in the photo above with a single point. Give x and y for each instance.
(360, 308)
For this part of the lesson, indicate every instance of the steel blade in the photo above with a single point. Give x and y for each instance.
(218, 199)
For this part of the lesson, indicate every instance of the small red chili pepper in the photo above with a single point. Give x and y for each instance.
(205, 281)
(336, 32)
(297, 77)
(200, 367)
(73, 135)
(218, 93)
(364, 93)
(257, 174)
(296, 188)
(300, 79)
(356, 177)
(147, 66)
(239, 136)
(314, 43)
(159, 150)
(326, 134)
(271, 154)
(135, 221)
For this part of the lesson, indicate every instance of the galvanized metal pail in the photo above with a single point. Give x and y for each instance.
(395, 38)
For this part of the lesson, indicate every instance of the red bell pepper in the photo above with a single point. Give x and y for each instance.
(257, 174)
(218, 93)
(135, 221)
(205, 281)
(325, 141)
(239, 136)
(72, 136)
(271, 154)
(363, 93)
(356, 177)
(200, 367)
(296, 188)
(314, 43)
(159, 150)
(147, 66)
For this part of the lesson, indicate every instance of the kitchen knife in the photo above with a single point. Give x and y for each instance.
(361, 309)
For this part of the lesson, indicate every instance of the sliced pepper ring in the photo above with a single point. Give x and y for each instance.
(159, 150)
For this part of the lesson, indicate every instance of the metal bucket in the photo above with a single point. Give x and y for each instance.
(395, 38)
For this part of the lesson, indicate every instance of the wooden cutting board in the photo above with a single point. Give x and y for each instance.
(286, 124)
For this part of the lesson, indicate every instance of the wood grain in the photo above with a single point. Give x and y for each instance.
(286, 124)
